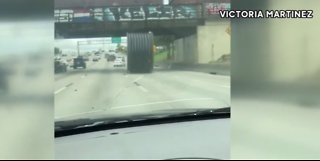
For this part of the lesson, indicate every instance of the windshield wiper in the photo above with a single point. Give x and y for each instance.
(158, 117)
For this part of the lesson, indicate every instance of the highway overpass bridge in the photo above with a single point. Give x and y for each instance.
(199, 37)
(105, 21)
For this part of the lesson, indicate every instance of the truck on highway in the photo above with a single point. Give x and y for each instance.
(79, 62)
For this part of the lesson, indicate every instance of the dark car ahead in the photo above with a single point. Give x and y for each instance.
(79, 62)
(59, 66)
(111, 58)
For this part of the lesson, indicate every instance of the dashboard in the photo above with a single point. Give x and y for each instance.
(193, 139)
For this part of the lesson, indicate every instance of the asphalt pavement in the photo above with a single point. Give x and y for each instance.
(104, 89)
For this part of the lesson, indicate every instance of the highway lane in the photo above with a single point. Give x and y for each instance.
(103, 89)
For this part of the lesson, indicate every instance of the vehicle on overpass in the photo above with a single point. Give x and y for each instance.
(163, 12)
(185, 12)
(125, 14)
(166, 12)
(138, 13)
(109, 16)
(98, 14)
(79, 62)
(153, 13)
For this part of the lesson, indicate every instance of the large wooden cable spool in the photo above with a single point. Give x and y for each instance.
(140, 52)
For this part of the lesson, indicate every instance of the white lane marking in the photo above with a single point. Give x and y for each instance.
(60, 90)
(137, 79)
(143, 89)
(68, 85)
(63, 88)
(77, 114)
(161, 102)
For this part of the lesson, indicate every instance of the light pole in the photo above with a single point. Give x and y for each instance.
(78, 48)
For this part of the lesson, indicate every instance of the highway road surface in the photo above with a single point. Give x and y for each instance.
(104, 89)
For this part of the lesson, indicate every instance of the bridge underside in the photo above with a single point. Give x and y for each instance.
(178, 28)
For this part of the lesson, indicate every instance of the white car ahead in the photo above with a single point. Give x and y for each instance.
(119, 62)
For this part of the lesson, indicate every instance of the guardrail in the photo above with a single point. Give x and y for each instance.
(133, 13)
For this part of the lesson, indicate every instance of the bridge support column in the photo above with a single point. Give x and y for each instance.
(213, 41)
(185, 50)
(207, 45)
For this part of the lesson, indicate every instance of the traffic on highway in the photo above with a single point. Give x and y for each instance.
(101, 83)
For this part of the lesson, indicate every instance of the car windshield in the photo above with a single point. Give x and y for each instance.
(131, 67)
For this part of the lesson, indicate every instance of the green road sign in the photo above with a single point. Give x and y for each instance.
(116, 40)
